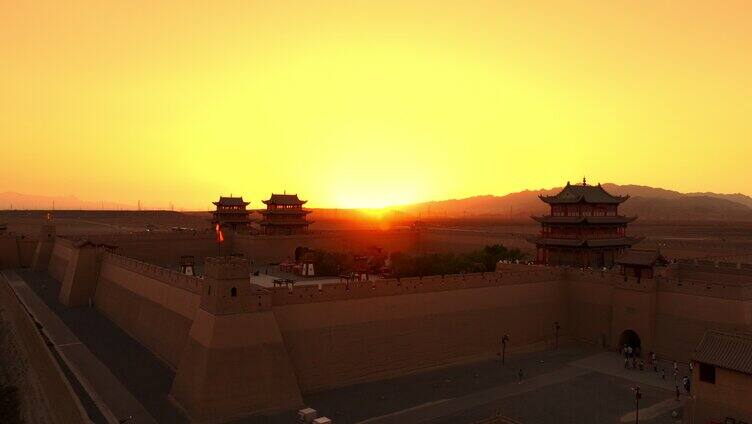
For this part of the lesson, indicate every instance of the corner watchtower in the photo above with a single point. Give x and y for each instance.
(235, 362)
(227, 286)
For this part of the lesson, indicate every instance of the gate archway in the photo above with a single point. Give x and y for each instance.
(630, 338)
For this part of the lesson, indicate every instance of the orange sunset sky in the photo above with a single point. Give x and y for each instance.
(371, 103)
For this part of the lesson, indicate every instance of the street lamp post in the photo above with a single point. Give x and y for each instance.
(638, 396)
(504, 341)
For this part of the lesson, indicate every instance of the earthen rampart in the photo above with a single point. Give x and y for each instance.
(335, 340)
(725, 290)
(157, 273)
(57, 395)
(62, 251)
(9, 251)
(392, 287)
(336, 334)
(156, 306)
(26, 248)
(165, 248)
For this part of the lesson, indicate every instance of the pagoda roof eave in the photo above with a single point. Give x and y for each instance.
(622, 241)
(282, 212)
(593, 194)
(231, 201)
(618, 219)
(284, 199)
(286, 224)
(270, 202)
(637, 257)
(552, 200)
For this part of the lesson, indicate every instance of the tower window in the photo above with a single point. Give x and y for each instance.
(233, 292)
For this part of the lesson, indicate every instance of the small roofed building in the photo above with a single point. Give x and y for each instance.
(583, 229)
(284, 215)
(231, 213)
(641, 263)
(721, 379)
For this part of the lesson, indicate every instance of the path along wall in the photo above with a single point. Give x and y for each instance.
(156, 306)
(349, 333)
(57, 395)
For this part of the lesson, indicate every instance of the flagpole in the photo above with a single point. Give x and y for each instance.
(218, 234)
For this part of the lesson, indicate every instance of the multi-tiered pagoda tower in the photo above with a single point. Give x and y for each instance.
(284, 215)
(231, 213)
(584, 228)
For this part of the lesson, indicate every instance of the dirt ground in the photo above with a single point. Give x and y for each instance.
(699, 239)
(20, 392)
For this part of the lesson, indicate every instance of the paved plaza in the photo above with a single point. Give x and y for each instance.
(574, 384)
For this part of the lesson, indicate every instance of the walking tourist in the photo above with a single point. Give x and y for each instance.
(685, 382)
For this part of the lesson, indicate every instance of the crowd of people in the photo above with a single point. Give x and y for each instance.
(633, 361)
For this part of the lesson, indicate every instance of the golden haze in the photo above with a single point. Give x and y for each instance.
(366, 104)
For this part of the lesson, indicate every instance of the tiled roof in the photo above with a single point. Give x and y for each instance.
(231, 201)
(583, 193)
(731, 350)
(547, 219)
(641, 257)
(284, 199)
(623, 241)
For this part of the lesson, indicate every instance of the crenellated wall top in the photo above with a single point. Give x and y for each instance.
(725, 290)
(153, 236)
(163, 275)
(390, 287)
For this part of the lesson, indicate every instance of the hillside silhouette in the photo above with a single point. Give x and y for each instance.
(649, 203)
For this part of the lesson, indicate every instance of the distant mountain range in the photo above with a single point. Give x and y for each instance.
(648, 203)
(645, 202)
(13, 200)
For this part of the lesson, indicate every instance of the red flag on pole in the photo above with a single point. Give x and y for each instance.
(220, 236)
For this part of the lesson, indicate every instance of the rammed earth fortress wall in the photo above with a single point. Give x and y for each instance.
(338, 334)
(61, 256)
(154, 305)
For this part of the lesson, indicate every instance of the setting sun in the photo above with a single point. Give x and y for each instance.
(369, 104)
